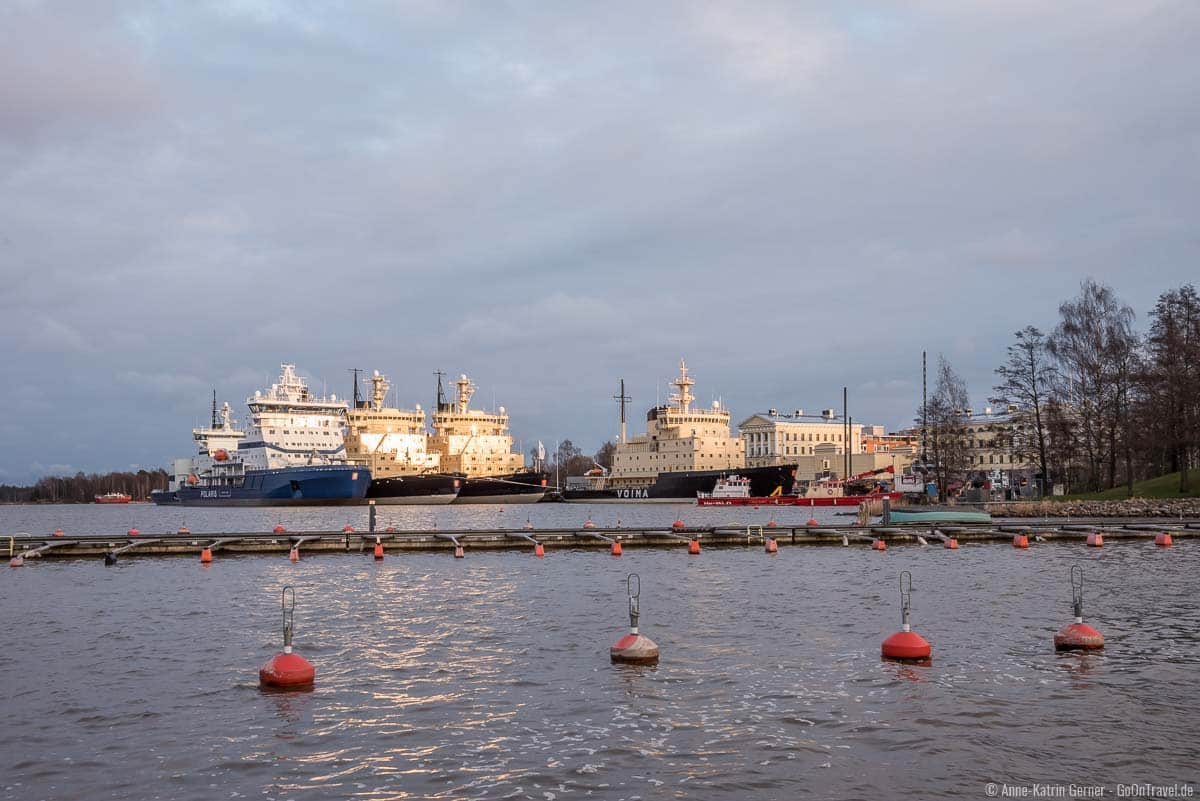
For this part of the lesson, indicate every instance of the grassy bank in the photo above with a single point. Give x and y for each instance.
(1161, 487)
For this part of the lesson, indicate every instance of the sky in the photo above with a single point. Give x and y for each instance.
(549, 197)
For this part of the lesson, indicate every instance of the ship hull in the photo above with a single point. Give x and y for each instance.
(123, 499)
(526, 487)
(789, 500)
(682, 486)
(436, 489)
(319, 485)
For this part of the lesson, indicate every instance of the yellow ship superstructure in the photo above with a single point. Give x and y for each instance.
(393, 442)
(472, 441)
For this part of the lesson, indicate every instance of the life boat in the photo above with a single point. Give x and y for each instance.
(220, 454)
(193, 479)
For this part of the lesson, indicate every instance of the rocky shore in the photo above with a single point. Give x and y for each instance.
(1132, 507)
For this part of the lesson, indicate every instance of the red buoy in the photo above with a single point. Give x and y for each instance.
(951, 544)
(347, 529)
(1020, 540)
(693, 547)
(279, 529)
(1095, 539)
(287, 670)
(771, 523)
(1077, 636)
(133, 532)
(634, 648)
(589, 523)
(294, 554)
(772, 546)
(678, 524)
(184, 530)
(458, 552)
(538, 550)
(205, 555)
(906, 645)
(1163, 540)
(812, 521)
(378, 549)
(390, 529)
(878, 545)
(58, 532)
(16, 561)
(616, 549)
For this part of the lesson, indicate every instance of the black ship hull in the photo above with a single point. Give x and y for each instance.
(435, 488)
(525, 487)
(682, 486)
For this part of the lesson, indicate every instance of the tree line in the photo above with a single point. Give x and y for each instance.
(1096, 403)
(83, 488)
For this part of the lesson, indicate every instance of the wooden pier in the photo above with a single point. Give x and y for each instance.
(112, 546)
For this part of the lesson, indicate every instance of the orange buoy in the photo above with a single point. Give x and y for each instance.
(279, 529)
(1095, 539)
(634, 648)
(347, 529)
(812, 521)
(1020, 540)
(1163, 539)
(878, 545)
(205, 555)
(772, 546)
(378, 549)
(528, 525)
(693, 547)
(287, 670)
(951, 544)
(16, 561)
(294, 554)
(1077, 636)
(616, 548)
(678, 524)
(906, 645)
(771, 523)
(58, 532)
(184, 530)
(133, 532)
(458, 552)
(589, 523)
(538, 550)
(390, 529)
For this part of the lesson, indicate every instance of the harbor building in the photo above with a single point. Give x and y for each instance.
(817, 444)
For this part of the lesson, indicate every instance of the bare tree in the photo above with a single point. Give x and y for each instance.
(946, 418)
(1096, 349)
(1172, 375)
(1028, 376)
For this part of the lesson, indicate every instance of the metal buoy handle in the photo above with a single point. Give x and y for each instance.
(287, 604)
(1077, 590)
(633, 585)
(905, 597)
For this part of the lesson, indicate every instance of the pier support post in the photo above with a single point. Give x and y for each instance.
(371, 516)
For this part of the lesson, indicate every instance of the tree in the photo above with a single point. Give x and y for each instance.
(946, 414)
(604, 456)
(1172, 375)
(1028, 376)
(1096, 350)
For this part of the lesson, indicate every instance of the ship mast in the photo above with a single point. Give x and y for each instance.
(442, 406)
(214, 410)
(357, 396)
(685, 385)
(622, 399)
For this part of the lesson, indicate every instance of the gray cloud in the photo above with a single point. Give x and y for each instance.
(795, 197)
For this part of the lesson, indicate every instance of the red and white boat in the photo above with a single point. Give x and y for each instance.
(114, 497)
(735, 491)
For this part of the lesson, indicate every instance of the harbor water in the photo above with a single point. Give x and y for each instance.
(489, 677)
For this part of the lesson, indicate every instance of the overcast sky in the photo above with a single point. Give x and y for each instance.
(552, 196)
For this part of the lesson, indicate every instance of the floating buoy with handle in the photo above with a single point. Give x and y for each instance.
(906, 645)
(58, 532)
(279, 529)
(951, 544)
(588, 523)
(677, 525)
(458, 552)
(1095, 539)
(347, 529)
(287, 670)
(538, 550)
(812, 521)
(1163, 539)
(693, 547)
(771, 545)
(771, 523)
(616, 548)
(878, 544)
(205, 555)
(184, 530)
(1020, 540)
(16, 561)
(378, 549)
(133, 532)
(635, 647)
(294, 554)
(1077, 636)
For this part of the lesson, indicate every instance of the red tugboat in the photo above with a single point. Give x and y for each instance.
(114, 497)
(735, 491)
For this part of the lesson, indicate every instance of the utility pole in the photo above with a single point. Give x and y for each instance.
(845, 434)
(924, 412)
(622, 399)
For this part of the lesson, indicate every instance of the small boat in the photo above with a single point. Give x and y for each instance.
(114, 497)
(917, 514)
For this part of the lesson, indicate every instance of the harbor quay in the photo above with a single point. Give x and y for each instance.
(1020, 533)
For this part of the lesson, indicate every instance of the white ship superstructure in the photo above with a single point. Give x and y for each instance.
(291, 427)
(218, 461)
(472, 441)
(391, 441)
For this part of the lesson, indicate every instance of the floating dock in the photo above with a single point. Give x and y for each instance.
(23, 546)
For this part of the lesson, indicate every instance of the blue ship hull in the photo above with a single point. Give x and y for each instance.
(318, 485)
